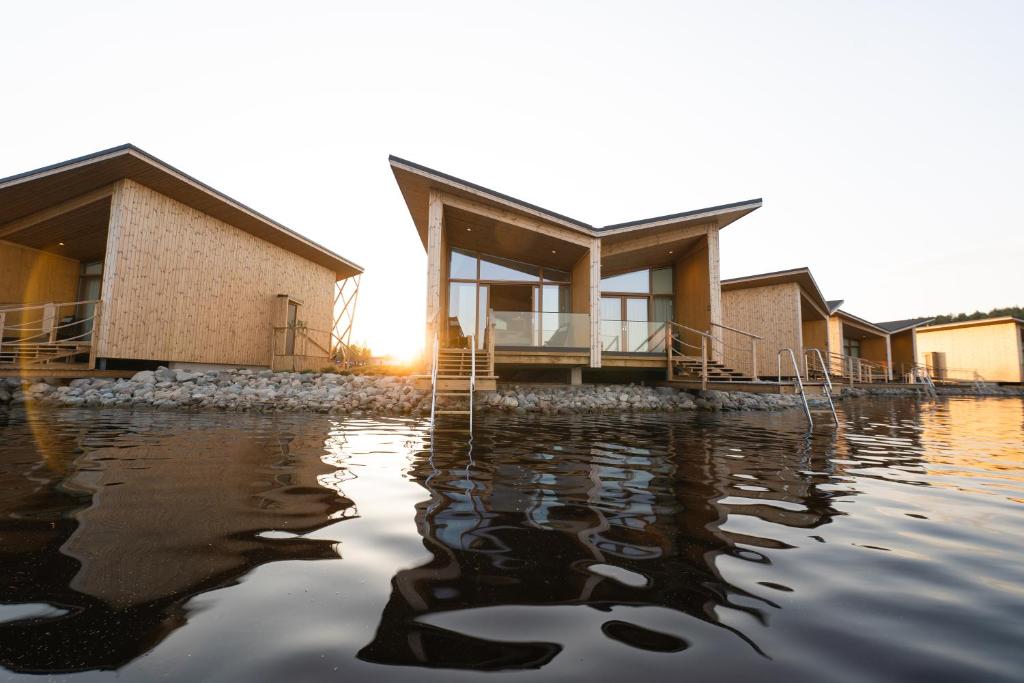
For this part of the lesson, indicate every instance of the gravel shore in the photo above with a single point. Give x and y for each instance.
(266, 391)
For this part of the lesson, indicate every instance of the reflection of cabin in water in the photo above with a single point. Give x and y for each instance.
(547, 296)
(116, 260)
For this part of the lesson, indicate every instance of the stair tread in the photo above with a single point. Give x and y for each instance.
(451, 412)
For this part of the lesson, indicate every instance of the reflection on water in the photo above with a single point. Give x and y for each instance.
(154, 544)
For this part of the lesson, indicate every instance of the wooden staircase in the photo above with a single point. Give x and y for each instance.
(455, 377)
(42, 354)
(689, 369)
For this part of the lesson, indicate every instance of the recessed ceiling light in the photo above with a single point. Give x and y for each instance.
(670, 251)
(469, 229)
(552, 251)
(60, 244)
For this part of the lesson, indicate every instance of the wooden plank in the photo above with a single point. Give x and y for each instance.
(435, 228)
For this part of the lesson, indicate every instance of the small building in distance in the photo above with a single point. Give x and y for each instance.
(860, 349)
(990, 349)
(903, 345)
(786, 309)
(118, 261)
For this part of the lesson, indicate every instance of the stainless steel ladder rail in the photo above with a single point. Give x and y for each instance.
(433, 381)
(472, 380)
(828, 381)
(799, 382)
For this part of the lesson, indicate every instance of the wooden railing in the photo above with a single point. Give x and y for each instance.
(676, 347)
(853, 369)
(733, 355)
(40, 334)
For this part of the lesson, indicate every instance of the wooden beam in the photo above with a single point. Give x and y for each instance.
(595, 304)
(435, 224)
(515, 219)
(715, 287)
(56, 210)
(646, 241)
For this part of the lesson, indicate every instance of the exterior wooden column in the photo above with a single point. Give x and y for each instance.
(435, 224)
(714, 293)
(595, 304)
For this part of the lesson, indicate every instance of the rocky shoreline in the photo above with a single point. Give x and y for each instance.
(265, 391)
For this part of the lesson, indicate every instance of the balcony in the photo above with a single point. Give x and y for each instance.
(632, 336)
(541, 331)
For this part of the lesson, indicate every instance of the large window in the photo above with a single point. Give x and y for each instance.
(479, 283)
(634, 308)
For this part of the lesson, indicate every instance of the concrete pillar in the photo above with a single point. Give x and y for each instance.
(576, 375)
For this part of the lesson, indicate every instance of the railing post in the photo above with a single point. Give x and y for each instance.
(704, 363)
(97, 311)
(668, 352)
(753, 359)
(49, 324)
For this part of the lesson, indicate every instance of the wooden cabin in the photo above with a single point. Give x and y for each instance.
(786, 310)
(991, 349)
(545, 296)
(859, 349)
(118, 261)
(903, 345)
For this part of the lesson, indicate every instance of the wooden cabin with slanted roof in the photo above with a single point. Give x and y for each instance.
(117, 261)
(539, 295)
(786, 310)
(989, 349)
(859, 349)
(903, 346)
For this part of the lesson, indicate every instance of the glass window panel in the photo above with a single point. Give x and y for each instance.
(555, 299)
(508, 271)
(638, 282)
(661, 309)
(636, 309)
(662, 279)
(461, 308)
(93, 268)
(462, 266)
(556, 275)
(611, 308)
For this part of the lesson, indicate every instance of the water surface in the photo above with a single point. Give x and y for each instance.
(227, 547)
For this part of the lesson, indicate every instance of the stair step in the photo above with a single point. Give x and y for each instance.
(451, 412)
(452, 393)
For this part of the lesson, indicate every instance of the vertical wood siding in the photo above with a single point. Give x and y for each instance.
(692, 295)
(29, 276)
(180, 285)
(772, 312)
(992, 350)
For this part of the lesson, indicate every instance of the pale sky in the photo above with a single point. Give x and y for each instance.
(885, 137)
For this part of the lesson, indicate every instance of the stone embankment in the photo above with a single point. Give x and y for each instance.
(265, 391)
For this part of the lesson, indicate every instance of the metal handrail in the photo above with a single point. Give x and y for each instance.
(433, 380)
(799, 382)
(14, 308)
(472, 379)
(828, 381)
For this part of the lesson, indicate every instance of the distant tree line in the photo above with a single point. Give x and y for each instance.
(1015, 311)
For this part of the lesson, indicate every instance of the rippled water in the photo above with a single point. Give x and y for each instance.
(731, 547)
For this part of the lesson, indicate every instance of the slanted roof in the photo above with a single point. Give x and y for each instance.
(834, 305)
(974, 323)
(415, 181)
(26, 193)
(894, 326)
(860, 322)
(800, 276)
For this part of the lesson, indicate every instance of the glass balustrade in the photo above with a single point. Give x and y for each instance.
(632, 336)
(541, 330)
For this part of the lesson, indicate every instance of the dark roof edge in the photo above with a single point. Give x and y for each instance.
(480, 188)
(753, 203)
(128, 147)
(773, 273)
(894, 326)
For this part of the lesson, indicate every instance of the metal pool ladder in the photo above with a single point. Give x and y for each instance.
(799, 384)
